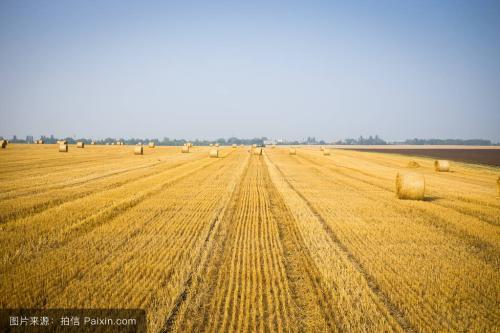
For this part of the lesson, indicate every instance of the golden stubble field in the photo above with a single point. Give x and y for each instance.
(245, 242)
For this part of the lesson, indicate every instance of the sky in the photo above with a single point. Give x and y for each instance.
(209, 69)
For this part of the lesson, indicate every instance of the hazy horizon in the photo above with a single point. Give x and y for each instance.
(196, 70)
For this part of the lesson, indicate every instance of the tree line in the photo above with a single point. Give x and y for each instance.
(370, 140)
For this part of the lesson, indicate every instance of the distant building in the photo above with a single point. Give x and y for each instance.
(269, 142)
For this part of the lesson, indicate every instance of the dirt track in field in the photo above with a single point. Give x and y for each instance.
(481, 156)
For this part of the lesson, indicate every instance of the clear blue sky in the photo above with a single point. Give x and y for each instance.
(399, 69)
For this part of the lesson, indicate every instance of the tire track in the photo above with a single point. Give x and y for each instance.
(208, 248)
(244, 286)
(397, 314)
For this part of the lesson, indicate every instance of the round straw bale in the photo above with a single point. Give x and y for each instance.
(254, 145)
(214, 153)
(273, 146)
(292, 151)
(63, 148)
(80, 144)
(442, 165)
(410, 186)
(234, 145)
(216, 145)
(138, 150)
(211, 145)
(413, 164)
(326, 151)
(151, 144)
(321, 148)
(257, 151)
(498, 185)
(92, 143)
(185, 149)
(4, 143)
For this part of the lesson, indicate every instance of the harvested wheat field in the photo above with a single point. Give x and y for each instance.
(245, 242)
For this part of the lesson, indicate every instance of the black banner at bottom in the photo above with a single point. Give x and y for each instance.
(73, 320)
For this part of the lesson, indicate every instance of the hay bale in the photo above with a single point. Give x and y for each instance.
(292, 151)
(63, 148)
(189, 144)
(185, 149)
(4, 143)
(92, 143)
(211, 145)
(442, 165)
(257, 151)
(214, 153)
(413, 164)
(321, 148)
(80, 144)
(234, 145)
(216, 145)
(254, 146)
(273, 146)
(138, 150)
(151, 144)
(326, 151)
(410, 186)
